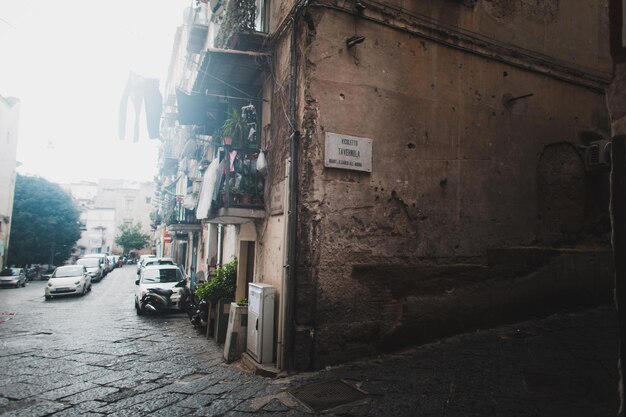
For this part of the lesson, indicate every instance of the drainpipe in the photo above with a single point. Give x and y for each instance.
(293, 206)
(218, 261)
(618, 240)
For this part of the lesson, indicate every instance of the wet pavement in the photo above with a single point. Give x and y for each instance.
(93, 355)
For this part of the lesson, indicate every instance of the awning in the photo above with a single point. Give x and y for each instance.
(191, 108)
(221, 68)
(224, 75)
(229, 73)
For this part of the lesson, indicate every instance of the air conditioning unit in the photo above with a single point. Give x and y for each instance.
(598, 155)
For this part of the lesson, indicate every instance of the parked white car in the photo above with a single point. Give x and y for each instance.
(155, 261)
(158, 276)
(68, 280)
(143, 258)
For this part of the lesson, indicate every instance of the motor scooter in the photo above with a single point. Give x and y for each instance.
(158, 300)
(197, 311)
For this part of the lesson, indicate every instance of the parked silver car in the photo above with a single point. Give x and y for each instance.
(95, 267)
(13, 277)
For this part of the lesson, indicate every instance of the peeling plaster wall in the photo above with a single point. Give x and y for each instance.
(455, 173)
(580, 27)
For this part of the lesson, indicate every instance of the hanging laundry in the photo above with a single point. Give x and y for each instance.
(153, 101)
(233, 156)
(141, 91)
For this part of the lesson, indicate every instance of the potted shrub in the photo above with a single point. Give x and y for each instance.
(221, 286)
(220, 292)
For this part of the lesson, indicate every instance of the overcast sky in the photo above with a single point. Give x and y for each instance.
(68, 62)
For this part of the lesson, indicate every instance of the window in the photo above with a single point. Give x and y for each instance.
(147, 200)
(129, 204)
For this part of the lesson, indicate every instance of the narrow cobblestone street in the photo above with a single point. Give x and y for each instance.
(93, 355)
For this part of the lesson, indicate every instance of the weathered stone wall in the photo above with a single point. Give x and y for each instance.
(457, 170)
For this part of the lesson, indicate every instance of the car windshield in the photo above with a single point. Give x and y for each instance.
(162, 275)
(68, 271)
(9, 272)
(88, 262)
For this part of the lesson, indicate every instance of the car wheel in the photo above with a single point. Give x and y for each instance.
(84, 290)
(48, 297)
(89, 289)
(138, 309)
(23, 284)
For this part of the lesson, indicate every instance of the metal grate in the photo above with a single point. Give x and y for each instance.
(326, 395)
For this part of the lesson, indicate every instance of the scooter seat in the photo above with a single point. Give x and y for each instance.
(161, 291)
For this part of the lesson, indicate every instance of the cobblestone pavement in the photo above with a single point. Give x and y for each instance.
(93, 355)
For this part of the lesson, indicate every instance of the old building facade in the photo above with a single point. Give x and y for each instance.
(431, 168)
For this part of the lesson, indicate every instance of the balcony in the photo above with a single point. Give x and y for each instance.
(182, 219)
(198, 30)
(243, 26)
(240, 197)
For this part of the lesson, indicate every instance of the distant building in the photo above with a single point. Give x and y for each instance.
(98, 232)
(107, 205)
(9, 121)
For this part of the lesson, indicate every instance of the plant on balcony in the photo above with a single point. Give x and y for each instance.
(248, 188)
(234, 128)
(239, 17)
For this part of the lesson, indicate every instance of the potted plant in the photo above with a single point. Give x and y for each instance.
(234, 193)
(220, 292)
(233, 129)
(247, 189)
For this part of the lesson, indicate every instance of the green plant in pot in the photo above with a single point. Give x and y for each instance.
(248, 187)
(234, 127)
(222, 286)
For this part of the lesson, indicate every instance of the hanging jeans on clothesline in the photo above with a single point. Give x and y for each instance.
(153, 100)
(141, 92)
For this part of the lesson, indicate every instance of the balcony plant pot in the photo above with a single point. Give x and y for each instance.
(246, 199)
(227, 140)
(235, 127)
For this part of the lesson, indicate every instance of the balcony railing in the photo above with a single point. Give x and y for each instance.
(183, 220)
(240, 197)
(243, 186)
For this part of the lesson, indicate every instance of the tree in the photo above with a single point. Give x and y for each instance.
(131, 237)
(45, 223)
